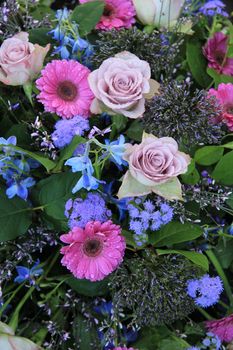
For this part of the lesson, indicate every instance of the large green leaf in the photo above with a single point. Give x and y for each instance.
(52, 194)
(197, 258)
(15, 217)
(88, 288)
(40, 36)
(68, 151)
(223, 170)
(197, 62)
(174, 233)
(85, 334)
(219, 78)
(46, 162)
(208, 155)
(88, 15)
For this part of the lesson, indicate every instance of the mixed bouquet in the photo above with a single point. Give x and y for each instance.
(116, 175)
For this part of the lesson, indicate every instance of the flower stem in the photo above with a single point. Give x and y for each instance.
(221, 273)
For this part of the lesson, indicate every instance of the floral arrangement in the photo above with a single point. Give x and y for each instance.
(116, 175)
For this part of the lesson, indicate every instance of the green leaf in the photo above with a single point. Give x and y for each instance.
(223, 170)
(130, 187)
(52, 193)
(46, 162)
(135, 131)
(129, 238)
(174, 233)
(219, 78)
(15, 217)
(197, 62)
(151, 337)
(119, 121)
(197, 258)
(68, 151)
(40, 36)
(88, 288)
(191, 178)
(85, 334)
(228, 145)
(88, 15)
(224, 253)
(208, 155)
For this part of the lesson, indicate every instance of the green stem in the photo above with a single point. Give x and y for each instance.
(221, 273)
(4, 306)
(205, 314)
(15, 317)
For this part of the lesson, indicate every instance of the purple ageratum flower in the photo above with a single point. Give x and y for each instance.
(66, 129)
(213, 8)
(205, 291)
(147, 216)
(81, 211)
(212, 341)
(26, 274)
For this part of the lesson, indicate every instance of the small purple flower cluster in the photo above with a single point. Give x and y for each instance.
(148, 216)
(81, 211)
(205, 291)
(65, 130)
(213, 8)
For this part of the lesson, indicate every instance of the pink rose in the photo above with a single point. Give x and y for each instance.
(154, 166)
(20, 60)
(120, 85)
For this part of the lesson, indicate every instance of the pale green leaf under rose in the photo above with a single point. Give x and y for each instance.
(131, 187)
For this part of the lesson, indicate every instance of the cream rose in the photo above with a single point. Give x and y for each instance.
(8, 341)
(20, 60)
(154, 166)
(121, 84)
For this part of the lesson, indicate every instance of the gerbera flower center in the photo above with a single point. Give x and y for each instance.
(67, 90)
(108, 10)
(92, 247)
(219, 56)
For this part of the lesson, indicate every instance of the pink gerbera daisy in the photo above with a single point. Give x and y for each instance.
(223, 328)
(64, 89)
(95, 251)
(215, 50)
(224, 95)
(117, 14)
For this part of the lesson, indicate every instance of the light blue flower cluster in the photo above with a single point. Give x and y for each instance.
(15, 169)
(65, 130)
(82, 163)
(213, 8)
(205, 291)
(146, 216)
(71, 45)
(81, 211)
(115, 150)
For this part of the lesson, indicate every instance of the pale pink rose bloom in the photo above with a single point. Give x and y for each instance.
(156, 160)
(154, 166)
(223, 328)
(224, 95)
(95, 251)
(20, 60)
(120, 85)
(117, 14)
